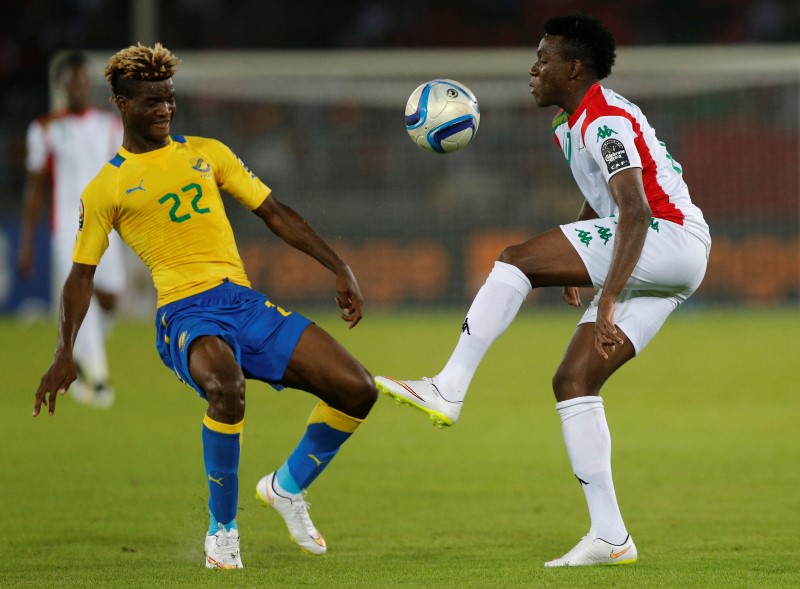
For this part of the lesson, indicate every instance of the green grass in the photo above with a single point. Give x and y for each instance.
(706, 454)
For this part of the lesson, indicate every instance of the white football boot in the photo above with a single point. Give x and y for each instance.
(103, 396)
(82, 392)
(592, 550)
(222, 549)
(423, 395)
(294, 511)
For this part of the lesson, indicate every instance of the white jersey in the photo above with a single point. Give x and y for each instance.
(608, 134)
(73, 147)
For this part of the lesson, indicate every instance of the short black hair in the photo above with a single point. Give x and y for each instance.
(586, 39)
(68, 60)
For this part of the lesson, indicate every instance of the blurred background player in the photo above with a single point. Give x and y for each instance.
(65, 150)
(638, 239)
(162, 192)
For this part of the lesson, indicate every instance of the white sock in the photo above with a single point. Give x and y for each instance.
(492, 311)
(107, 321)
(90, 346)
(583, 423)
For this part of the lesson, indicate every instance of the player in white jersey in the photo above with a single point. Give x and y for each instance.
(638, 240)
(65, 150)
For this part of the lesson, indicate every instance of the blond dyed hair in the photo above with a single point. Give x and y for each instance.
(139, 62)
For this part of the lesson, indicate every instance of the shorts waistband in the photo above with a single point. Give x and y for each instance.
(225, 286)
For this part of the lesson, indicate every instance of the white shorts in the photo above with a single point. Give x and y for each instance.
(671, 267)
(110, 276)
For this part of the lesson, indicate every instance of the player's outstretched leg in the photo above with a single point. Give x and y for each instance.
(490, 314)
(423, 395)
(592, 550)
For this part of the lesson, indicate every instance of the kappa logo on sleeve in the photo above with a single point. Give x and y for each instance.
(614, 154)
(80, 216)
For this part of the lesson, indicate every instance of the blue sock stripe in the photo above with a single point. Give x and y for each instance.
(286, 480)
(213, 525)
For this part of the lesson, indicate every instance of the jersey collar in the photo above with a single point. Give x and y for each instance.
(153, 153)
(590, 94)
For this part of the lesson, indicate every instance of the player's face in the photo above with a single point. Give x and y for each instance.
(147, 113)
(550, 73)
(76, 87)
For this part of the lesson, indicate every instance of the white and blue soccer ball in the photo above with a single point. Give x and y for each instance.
(442, 116)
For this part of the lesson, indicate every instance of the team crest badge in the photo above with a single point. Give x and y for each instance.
(201, 165)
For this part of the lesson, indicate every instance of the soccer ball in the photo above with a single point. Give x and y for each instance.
(442, 116)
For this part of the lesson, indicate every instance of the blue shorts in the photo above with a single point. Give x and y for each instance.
(262, 335)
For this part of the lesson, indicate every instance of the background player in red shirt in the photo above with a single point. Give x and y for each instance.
(65, 150)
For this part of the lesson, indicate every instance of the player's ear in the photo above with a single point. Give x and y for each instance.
(120, 101)
(575, 68)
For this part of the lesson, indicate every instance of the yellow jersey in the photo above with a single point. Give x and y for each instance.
(166, 205)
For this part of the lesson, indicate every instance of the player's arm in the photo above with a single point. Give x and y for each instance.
(287, 224)
(627, 190)
(571, 294)
(32, 204)
(75, 300)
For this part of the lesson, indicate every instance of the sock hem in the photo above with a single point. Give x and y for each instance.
(579, 401)
(512, 276)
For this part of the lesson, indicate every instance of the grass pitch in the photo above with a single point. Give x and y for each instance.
(705, 450)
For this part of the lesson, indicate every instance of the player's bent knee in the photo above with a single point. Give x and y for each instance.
(363, 396)
(524, 259)
(357, 396)
(568, 384)
(510, 255)
(226, 398)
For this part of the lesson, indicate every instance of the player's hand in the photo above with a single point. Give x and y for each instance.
(572, 296)
(606, 336)
(55, 381)
(349, 298)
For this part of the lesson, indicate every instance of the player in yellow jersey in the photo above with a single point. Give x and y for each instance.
(161, 193)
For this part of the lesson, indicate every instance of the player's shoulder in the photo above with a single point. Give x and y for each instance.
(45, 120)
(605, 102)
(604, 108)
(65, 116)
(615, 100)
(196, 141)
(106, 181)
(111, 170)
(101, 114)
(206, 145)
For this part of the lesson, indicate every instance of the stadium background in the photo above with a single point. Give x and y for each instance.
(310, 95)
